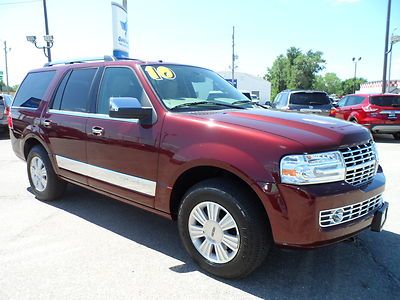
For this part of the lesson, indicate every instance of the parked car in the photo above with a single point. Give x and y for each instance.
(380, 113)
(5, 104)
(303, 101)
(237, 179)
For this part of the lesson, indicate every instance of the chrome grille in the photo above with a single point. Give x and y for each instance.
(349, 213)
(360, 163)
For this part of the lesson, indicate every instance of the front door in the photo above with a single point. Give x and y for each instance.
(122, 153)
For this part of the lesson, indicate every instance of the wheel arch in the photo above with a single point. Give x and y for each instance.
(199, 173)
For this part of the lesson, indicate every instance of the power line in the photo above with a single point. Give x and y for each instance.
(19, 2)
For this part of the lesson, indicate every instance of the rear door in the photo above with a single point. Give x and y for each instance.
(122, 154)
(310, 102)
(387, 108)
(64, 123)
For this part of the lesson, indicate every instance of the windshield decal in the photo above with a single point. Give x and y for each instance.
(160, 73)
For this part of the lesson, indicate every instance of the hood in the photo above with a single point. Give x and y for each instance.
(314, 132)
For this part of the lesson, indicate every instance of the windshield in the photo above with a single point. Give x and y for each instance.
(386, 100)
(304, 98)
(193, 88)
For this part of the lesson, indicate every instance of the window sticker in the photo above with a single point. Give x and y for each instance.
(160, 73)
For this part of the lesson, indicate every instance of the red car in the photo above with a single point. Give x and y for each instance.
(380, 113)
(182, 142)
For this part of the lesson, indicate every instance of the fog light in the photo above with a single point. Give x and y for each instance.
(337, 216)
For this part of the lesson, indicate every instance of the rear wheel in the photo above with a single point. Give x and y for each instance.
(45, 183)
(224, 230)
(353, 120)
(396, 135)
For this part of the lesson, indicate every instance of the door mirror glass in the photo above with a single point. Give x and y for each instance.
(129, 108)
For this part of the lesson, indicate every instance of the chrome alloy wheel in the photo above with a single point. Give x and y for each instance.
(214, 232)
(38, 174)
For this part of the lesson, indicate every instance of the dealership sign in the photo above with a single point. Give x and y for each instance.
(120, 30)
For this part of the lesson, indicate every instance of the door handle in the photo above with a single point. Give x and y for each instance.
(46, 123)
(97, 130)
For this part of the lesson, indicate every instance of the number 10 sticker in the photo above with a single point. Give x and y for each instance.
(160, 73)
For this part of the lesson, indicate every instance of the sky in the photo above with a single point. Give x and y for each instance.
(200, 32)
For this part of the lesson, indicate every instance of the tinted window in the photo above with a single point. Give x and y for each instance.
(76, 93)
(304, 98)
(354, 100)
(386, 100)
(118, 82)
(32, 89)
(60, 91)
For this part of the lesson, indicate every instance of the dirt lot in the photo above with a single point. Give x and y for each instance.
(87, 246)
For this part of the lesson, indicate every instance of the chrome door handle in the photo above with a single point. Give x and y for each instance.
(46, 123)
(97, 131)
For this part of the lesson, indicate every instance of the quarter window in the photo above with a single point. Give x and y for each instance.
(33, 88)
(118, 82)
(76, 93)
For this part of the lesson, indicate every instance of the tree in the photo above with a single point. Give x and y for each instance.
(295, 70)
(329, 83)
(349, 85)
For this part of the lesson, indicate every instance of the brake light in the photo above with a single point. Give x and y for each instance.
(368, 108)
(6, 110)
(333, 111)
(9, 119)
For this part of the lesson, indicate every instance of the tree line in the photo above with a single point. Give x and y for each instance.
(298, 70)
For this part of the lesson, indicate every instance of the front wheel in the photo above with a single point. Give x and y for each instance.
(396, 135)
(224, 229)
(45, 183)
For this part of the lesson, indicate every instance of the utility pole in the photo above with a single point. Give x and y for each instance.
(355, 72)
(386, 47)
(46, 24)
(125, 4)
(233, 56)
(6, 50)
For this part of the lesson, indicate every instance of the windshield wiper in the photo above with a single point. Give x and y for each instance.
(250, 102)
(187, 104)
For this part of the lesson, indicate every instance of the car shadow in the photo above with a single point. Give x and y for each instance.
(349, 270)
(385, 138)
(4, 135)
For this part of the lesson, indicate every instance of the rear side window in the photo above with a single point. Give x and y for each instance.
(33, 88)
(76, 93)
(309, 99)
(386, 101)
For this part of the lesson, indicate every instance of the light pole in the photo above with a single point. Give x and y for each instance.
(47, 38)
(355, 61)
(393, 40)
(6, 50)
(386, 47)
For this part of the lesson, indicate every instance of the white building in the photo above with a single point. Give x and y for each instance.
(250, 83)
(375, 87)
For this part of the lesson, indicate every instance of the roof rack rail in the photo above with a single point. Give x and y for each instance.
(80, 60)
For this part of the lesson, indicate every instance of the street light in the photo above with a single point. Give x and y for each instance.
(393, 40)
(6, 50)
(46, 49)
(355, 61)
(47, 38)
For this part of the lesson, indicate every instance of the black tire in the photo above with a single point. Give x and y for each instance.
(55, 186)
(353, 120)
(249, 215)
(396, 135)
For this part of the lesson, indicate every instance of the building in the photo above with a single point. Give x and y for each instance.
(375, 87)
(250, 83)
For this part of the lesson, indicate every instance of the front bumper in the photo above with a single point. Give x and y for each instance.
(385, 128)
(294, 211)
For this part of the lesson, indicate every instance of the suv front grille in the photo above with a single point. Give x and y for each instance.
(340, 215)
(360, 163)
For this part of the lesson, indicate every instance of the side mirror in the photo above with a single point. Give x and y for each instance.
(267, 103)
(129, 108)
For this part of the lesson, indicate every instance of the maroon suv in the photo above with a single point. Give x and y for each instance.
(180, 141)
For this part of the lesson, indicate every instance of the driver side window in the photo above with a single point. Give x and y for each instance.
(118, 82)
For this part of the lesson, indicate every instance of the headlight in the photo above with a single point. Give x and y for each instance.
(313, 168)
